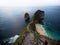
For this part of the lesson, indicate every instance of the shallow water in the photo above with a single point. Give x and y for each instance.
(51, 33)
(52, 22)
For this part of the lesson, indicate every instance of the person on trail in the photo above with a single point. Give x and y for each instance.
(45, 43)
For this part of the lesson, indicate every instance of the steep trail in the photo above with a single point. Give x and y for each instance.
(29, 40)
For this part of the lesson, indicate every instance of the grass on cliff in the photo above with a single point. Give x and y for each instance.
(20, 38)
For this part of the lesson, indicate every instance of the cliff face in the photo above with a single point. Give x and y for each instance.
(38, 17)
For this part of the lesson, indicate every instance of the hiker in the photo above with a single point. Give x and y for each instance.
(45, 43)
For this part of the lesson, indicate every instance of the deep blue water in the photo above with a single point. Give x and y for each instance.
(10, 26)
(52, 22)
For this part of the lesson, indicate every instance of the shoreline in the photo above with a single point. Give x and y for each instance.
(40, 29)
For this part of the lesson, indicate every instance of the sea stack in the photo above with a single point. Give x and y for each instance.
(27, 17)
(39, 17)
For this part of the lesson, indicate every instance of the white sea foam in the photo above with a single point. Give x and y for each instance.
(44, 30)
(11, 39)
(46, 33)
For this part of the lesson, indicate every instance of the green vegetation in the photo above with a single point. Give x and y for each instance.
(32, 27)
(21, 37)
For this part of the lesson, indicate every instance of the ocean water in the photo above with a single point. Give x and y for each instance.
(52, 22)
(52, 33)
(12, 22)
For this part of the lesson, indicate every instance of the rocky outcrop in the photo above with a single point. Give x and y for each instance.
(27, 17)
(38, 17)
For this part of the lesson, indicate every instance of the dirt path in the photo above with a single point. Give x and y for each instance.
(32, 39)
(29, 40)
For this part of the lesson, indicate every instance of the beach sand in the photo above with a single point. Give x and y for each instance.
(40, 29)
